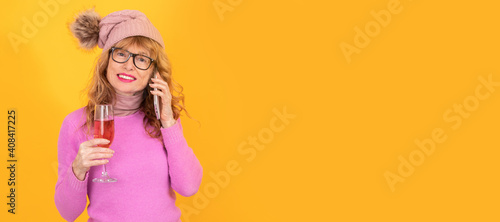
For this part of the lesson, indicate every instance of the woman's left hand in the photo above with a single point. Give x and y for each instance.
(166, 114)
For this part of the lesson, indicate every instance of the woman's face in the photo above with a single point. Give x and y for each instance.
(125, 78)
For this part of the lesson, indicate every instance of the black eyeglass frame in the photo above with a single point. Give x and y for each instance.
(133, 55)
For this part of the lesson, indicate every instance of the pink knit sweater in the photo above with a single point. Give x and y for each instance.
(147, 173)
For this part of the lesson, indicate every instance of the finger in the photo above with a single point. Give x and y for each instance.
(100, 156)
(159, 86)
(102, 150)
(159, 80)
(160, 93)
(95, 142)
(163, 87)
(98, 162)
(164, 96)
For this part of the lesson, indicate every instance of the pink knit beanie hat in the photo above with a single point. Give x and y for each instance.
(91, 30)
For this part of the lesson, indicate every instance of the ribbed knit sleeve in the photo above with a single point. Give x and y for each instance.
(184, 168)
(71, 194)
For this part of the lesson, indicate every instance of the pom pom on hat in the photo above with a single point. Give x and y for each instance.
(86, 28)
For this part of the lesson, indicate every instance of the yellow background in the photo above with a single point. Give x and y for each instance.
(353, 120)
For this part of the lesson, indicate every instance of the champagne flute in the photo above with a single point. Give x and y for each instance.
(104, 127)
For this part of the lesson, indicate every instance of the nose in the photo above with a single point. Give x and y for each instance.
(129, 64)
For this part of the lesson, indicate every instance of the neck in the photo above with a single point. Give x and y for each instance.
(127, 104)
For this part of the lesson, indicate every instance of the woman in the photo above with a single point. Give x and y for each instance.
(150, 158)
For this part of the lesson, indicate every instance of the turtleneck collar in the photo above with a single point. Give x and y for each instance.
(126, 105)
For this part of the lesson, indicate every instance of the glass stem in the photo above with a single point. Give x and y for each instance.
(104, 173)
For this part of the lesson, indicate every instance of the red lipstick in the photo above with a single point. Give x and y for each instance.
(126, 77)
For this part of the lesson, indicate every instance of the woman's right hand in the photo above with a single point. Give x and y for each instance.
(89, 154)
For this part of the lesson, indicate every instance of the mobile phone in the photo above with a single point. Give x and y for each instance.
(155, 99)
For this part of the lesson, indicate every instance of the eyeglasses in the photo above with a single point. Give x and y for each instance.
(140, 61)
